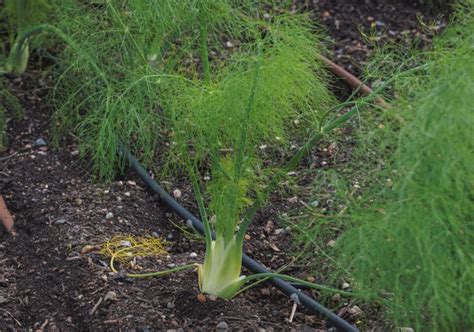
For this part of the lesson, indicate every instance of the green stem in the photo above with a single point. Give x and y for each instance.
(21, 14)
(161, 273)
(202, 208)
(203, 33)
(304, 283)
(126, 30)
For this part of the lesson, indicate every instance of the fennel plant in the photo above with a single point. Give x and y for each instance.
(22, 14)
(415, 240)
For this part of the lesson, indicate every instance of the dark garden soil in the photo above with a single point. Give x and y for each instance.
(46, 283)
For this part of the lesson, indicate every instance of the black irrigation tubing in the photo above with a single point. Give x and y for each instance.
(287, 288)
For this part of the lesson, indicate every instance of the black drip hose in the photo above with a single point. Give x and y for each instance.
(310, 304)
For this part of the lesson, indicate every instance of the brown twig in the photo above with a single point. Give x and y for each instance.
(351, 80)
(9, 156)
(13, 317)
(6, 217)
(96, 306)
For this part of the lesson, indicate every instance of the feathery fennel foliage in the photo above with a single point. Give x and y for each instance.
(416, 242)
(150, 79)
(206, 118)
(124, 40)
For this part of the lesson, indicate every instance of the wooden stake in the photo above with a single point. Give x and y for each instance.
(5, 217)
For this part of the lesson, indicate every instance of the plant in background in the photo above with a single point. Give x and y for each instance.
(22, 14)
(138, 48)
(415, 243)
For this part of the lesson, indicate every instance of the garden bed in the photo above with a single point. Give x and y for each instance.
(45, 281)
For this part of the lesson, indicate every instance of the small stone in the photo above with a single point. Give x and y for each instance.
(345, 285)
(131, 183)
(110, 296)
(336, 298)
(201, 298)
(331, 243)
(177, 193)
(265, 291)
(247, 237)
(311, 279)
(127, 194)
(222, 326)
(40, 142)
(125, 243)
(171, 265)
(3, 300)
(279, 231)
(78, 201)
(170, 305)
(109, 215)
(169, 237)
(269, 226)
(229, 44)
(266, 16)
(193, 255)
(60, 221)
(355, 311)
(293, 199)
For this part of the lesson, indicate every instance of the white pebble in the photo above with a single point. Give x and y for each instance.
(177, 193)
(109, 215)
(193, 255)
(331, 243)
